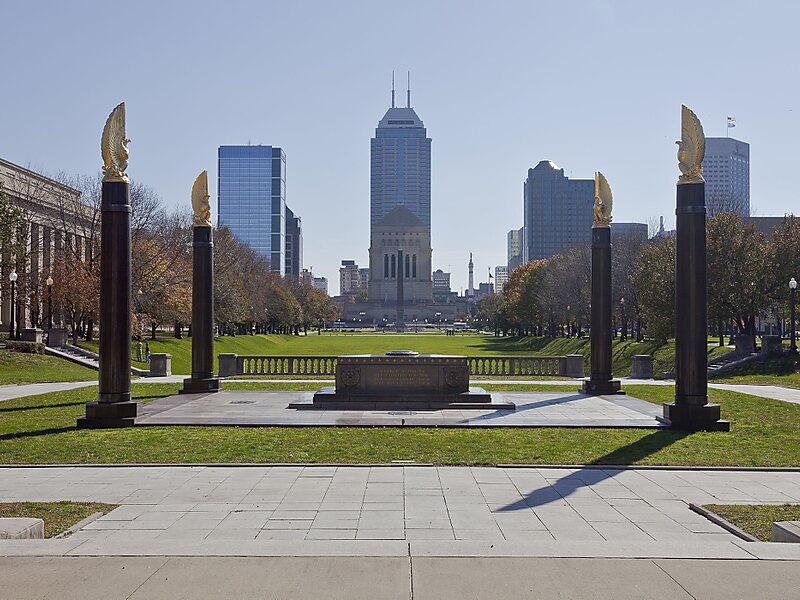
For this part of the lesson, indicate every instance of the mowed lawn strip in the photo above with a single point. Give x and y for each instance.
(57, 516)
(41, 429)
(756, 519)
(424, 343)
(22, 367)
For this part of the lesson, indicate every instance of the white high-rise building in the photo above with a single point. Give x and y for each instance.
(500, 277)
(726, 169)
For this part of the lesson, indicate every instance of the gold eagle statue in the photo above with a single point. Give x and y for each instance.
(114, 146)
(691, 148)
(603, 201)
(200, 201)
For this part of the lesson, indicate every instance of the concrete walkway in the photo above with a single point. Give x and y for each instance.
(394, 511)
(9, 392)
(395, 578)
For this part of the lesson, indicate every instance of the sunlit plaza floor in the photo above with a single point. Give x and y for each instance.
(533, 409)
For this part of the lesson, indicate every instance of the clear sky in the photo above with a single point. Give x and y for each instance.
(594, 85)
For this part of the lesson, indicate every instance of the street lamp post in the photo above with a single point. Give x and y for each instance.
(624, 335)
(12, 277)
(49, 283)
(792, 302)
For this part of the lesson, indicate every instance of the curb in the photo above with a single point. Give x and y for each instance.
(727, 525)
(78, 526)
(409, 464)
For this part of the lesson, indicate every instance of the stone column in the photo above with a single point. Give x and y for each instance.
(691, 409)
(202, 380)
(400, 324)
(114, 407)
(600, 381)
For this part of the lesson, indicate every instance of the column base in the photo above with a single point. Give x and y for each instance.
(105, 415)
(695, 417)
(200, 386)
(601, 387)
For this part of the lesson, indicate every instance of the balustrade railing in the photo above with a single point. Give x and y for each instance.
(479, 366)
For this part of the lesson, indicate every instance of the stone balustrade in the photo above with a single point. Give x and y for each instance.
(479, 366)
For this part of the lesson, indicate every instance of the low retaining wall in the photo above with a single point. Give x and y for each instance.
(325, 366)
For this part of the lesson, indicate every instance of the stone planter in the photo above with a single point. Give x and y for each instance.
(642, 366)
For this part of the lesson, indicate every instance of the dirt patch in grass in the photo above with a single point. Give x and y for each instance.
(756, 519)
(57, 516)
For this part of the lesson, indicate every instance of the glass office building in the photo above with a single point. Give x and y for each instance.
(558, 211)
(251, 192)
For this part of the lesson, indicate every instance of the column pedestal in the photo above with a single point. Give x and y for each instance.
(601, 382)
(114, 407)
(202, 380)
(691, 410)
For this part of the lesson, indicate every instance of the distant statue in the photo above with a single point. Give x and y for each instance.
(138, 350)
(147, 352)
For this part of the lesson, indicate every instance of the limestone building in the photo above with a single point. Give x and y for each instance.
(56, 221)
(400, 229)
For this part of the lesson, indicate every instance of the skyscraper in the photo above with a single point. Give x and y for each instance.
(251, 188)
(400, 207)
(500, 277)
(294, 244)
(514, 253)
(558, 211)
(400, 165)
(726, 168)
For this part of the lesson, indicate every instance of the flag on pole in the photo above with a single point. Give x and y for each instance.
(731, 122)
(490, 273)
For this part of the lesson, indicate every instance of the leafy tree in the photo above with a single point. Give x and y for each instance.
(739, 274)
(523, 299)
(653, 280)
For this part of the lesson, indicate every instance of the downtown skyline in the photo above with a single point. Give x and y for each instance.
(185, 97)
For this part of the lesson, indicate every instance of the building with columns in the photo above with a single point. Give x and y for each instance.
(400, 230)
(56, 220)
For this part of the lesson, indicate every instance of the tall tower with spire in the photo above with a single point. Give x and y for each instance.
(400, 163)
(471, 287)
(400, 206)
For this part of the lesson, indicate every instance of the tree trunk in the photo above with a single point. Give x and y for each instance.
(90, 330)
(152, 331)
(177, 330)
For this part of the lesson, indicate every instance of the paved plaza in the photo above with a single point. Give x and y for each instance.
(533, 409)
(400, 510)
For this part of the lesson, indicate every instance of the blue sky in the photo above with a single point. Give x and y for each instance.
(594, 85)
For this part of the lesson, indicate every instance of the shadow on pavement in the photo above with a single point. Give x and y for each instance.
(569, 484)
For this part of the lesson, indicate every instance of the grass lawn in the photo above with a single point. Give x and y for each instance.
(756, 519)
(21, 367)
(41, 429)
(426, 343)
(783, 371)
(57, 516)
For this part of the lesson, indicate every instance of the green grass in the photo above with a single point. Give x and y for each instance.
(781, 371)
(756, 519)
(41, 429)
(426, 343)
(21, 367)
(57, 516)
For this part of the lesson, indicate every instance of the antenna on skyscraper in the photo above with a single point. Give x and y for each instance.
(392, 89)
(408, 92)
